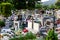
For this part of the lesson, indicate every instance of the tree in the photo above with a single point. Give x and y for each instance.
(6, 9)
(24, 4)
(2, 24)
(38, 5)
(45, 7)
(28, 36)
(19, 4)
(58, 4)
(31, 4)
(51, 35)
(52, 7)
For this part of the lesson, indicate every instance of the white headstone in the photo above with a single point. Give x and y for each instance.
(35, 27)
(16, 25)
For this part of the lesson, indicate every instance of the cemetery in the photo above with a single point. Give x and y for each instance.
(29, 20)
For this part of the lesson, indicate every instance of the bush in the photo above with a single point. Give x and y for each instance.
(6, 9)
(51, 35)
(2, 23)
(12, 39)
(30, 35)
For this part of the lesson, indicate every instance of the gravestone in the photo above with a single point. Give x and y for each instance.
(35, 27)
(16, 25)
(7, 23)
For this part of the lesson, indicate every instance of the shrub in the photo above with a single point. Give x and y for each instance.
(2, 24)
(51, 35)
(12, 39)
(30, 35)
(6, 9)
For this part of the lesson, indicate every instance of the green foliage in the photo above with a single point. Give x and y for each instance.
(30, 35)
(52, 7)
(19, 4)
(6, 9)
(20, 38)
(49, 7)
(10, 1)
(45, 7)
(2, 23)
(58, 4)
(31, 4)
(13, 39)
(51, 35)
(38, 6)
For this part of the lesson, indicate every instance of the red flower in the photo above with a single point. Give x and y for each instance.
(25, 30)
